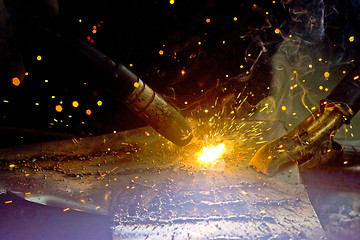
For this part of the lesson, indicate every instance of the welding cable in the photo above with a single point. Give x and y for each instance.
(345, 97)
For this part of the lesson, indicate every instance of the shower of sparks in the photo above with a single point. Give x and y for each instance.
(210, 155)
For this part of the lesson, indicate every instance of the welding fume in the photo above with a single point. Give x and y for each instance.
(296, 86)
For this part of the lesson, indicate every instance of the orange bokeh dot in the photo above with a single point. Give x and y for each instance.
(16, 81)
(136, 84)
(58, 108)
(88, 112)
(283, 107)
(75, 104)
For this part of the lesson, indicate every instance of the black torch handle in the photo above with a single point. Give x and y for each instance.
(134, 93)
(346, 95)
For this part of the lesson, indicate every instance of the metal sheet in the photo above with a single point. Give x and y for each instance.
(155, 190)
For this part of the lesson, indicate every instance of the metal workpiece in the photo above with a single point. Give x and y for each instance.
(152, 190)
(154, 110)
(310, 144)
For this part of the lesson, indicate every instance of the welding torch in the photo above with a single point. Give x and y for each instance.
(310, 143)
(148, 105)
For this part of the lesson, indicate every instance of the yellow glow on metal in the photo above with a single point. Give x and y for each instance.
(209, 155)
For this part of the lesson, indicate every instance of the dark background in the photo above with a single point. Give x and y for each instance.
(133, 33)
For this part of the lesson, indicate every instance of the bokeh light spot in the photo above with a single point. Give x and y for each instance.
(58, 108)
(16, 81)
(75, 104)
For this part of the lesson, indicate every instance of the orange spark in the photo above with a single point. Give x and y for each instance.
(16, 81)
(58, 108)
(75, 104)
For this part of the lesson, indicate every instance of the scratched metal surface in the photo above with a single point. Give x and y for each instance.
(155, 190)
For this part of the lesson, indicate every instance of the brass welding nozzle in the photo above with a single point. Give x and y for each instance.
(154, 110)
(313, 136)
